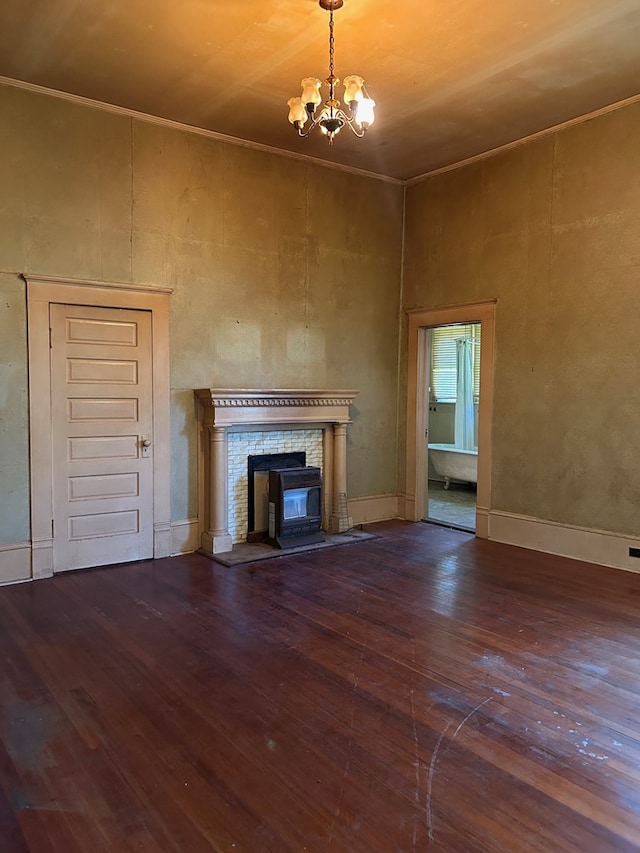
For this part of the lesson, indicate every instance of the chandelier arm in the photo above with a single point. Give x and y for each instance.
(339, 113)
(348, 118)
(354, 129)
(303, 133)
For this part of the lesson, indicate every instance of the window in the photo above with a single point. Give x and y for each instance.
(443, 361)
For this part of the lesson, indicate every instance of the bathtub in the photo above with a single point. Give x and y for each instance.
(452, 463)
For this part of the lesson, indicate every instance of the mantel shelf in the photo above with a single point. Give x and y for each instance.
(227, 407)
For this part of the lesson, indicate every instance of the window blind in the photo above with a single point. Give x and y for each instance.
(443, 361)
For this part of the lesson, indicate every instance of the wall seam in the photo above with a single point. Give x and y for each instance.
(131, 202)
(554, 149)
(399, 395)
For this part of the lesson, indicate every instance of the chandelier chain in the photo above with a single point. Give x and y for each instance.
(331, 40)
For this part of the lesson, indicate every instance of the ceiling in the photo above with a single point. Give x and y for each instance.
(452, 78)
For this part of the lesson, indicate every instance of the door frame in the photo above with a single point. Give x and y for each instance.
(420, 321)
(42, 291)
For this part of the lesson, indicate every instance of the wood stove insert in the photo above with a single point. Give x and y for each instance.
(258, 467)
(295, 507)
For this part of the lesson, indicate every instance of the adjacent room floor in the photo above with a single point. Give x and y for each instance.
(455, 506)
(420, 690)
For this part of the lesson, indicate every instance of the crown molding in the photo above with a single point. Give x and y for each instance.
(306, 158)
(189, 128)
(508, 146)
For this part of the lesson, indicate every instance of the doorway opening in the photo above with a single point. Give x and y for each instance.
(421, 322)
(453, 395)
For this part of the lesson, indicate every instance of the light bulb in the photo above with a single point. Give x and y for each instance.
(297, 111)
(353, 88)
(365, 115)
(311, 90)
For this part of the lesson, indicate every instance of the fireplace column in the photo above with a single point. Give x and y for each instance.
(217, 539)
(340, 520)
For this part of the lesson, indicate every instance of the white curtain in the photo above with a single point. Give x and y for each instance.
(464, 417)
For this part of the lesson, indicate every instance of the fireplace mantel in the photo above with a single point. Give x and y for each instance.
(228, 408)
(225, 409)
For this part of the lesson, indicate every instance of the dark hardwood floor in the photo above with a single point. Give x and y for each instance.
(423, 690)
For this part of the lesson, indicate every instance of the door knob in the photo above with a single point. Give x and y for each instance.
(146, 442)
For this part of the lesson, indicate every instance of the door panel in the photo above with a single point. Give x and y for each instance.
(106, 448)
(103, 524)
(81, 330)
(102, 410)
(95, 370)
(103, 486)
(101, 392)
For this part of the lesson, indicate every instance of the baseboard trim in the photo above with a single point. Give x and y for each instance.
(15, 562)
(579, 543)
(185, 536)
(25, 561)
(162, 539)
(42, 558)
(482, 522)
(366, 510)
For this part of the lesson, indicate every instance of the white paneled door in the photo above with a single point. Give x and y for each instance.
(101, 408)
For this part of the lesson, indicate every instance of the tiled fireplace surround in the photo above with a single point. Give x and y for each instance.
(237, 423)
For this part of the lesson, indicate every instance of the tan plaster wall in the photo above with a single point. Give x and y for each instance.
(552, 229)
(14, 448)
(285, 274)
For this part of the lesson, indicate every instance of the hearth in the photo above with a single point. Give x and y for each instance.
(295, 506)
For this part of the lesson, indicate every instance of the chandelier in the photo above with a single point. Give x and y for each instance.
(331, 118)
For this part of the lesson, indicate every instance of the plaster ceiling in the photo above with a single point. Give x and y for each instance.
(451, 79)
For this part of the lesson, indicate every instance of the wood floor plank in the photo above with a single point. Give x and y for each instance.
(421, 690)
